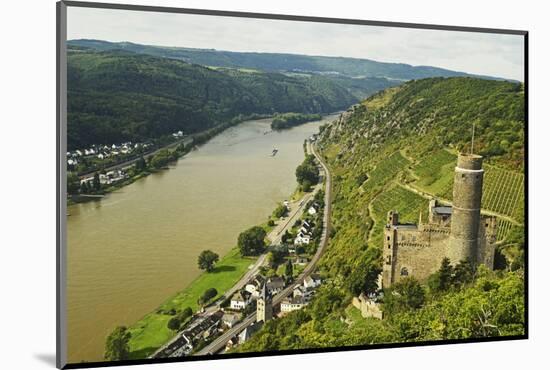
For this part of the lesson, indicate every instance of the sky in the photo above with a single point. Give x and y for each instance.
(478, 53)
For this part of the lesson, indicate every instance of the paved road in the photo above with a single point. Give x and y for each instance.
(219, 343)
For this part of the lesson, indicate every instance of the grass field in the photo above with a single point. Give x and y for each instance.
(408, 204)
(151, 331)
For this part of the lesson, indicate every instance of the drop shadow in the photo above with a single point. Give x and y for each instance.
(223, 268)
(47, 358)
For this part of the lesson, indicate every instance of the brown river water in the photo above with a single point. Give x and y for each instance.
(138, 246)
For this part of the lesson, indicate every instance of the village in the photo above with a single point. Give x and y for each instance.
(84, 160)
(257, 296)
(277, 289)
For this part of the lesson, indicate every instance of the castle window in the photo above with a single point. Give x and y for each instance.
(402, 237)
(463, 175)
(388, 238)
(486, 224)
(404, 271)
(389, 246)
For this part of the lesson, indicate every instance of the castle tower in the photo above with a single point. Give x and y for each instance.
(467, 190)
(389, 249)
(264, 306)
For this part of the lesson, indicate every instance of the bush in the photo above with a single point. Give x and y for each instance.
(207, 296)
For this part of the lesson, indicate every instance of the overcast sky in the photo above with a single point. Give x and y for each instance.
(478, 53)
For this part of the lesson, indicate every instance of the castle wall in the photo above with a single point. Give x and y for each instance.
(417, 253)
(368, 307)
(487, 241)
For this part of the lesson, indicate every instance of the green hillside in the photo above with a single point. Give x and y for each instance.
(116, 96)
(351, 67)
(396, 150)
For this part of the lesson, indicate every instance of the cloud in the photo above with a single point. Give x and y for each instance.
(479, 53)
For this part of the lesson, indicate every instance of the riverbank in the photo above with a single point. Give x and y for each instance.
(178, 149)
(230, 183)
(152, 331)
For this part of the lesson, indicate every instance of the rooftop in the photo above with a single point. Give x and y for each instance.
(443, 210)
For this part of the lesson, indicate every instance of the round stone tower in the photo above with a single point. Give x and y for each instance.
(467, 190)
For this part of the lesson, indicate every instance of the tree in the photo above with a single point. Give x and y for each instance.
(207, 296)
(463, 273)
(174, 323)
(96, 183)
(280, 211)
(186, 313)
(207, 260)
(404, 295)
(84, 188)
(251, 242)
(306, 186)
(307, 171)
(270, 259)
(73, 183)
(442, 279)
(141, 165)
(289, 269)
(116, 346)
(364, 277)
(287, 236)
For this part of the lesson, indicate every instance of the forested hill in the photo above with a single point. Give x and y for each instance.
(351, 67)
(115, 96)
(395, 151)
(424, 115)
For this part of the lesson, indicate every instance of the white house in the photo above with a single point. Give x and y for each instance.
(301, 238)
(253, 286)
(249, 330)
(292, 304)
(312, 211)
(300, 261)
(230, 319)
(301, 291)
(312, 281)
(304, 231)
(275, 285)
(238, 301)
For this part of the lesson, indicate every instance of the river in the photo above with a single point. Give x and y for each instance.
(138, 246)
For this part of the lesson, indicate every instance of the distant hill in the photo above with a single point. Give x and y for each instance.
(119, 95)
(349, 67)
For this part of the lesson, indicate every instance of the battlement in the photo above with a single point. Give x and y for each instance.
(471, 162)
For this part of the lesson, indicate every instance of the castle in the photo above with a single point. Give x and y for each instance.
(459, 232)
